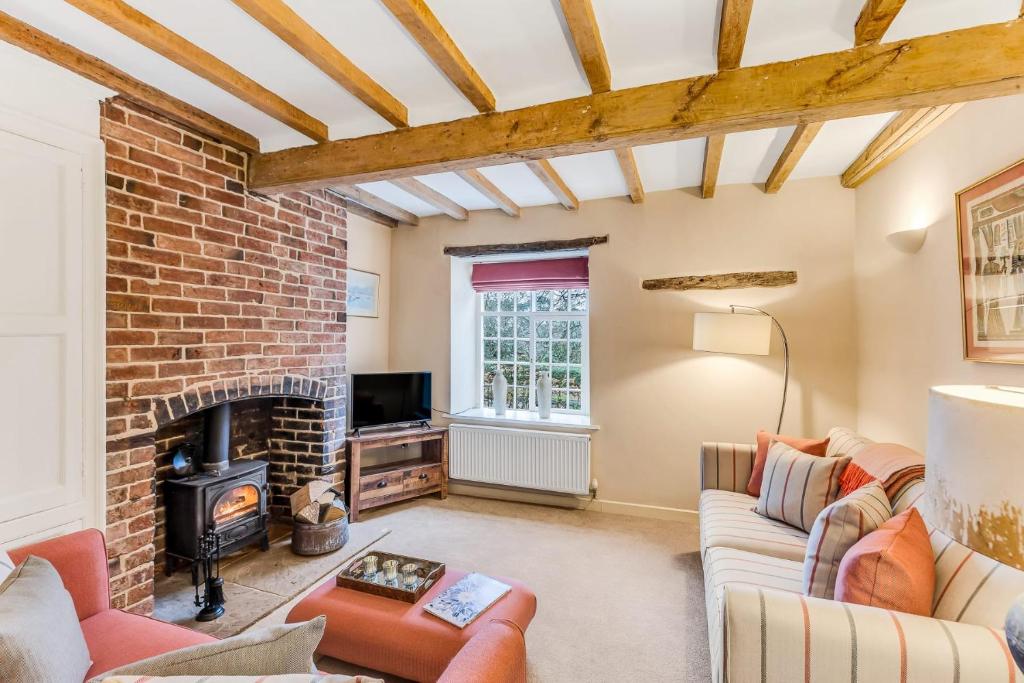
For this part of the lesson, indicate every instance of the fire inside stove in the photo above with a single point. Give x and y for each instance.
(241, 501)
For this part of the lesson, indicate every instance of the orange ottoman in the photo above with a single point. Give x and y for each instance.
(398, 638)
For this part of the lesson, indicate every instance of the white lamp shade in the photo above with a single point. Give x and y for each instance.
(975, 482)
(732, 333)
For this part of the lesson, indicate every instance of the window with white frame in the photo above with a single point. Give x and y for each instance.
(525, 332)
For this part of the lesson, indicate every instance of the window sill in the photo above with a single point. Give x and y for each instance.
(526, 418)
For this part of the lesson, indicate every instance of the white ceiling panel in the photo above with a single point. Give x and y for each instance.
(657, 40)
(750, 156)
(592, 175)
(669, 165)
(781, 30)
(224, 30)
(518, 47)
(458, 190)
(367, 33)
(400, 198)
(520, 184)
(837, 144)
(925, 17)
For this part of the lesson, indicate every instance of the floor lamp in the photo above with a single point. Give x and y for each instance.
(741, 333)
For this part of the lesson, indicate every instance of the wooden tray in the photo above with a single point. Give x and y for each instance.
(428, 572)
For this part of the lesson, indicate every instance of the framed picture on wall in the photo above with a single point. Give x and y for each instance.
(363, 292)
(990, 229)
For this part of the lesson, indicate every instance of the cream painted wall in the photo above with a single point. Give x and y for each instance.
(654, 398)
(910, 332)
(369, 249)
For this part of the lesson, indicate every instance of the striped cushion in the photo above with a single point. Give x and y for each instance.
(971, 587)
(843, 441)
(772, 635)
(836, 529)
(726, 567)
(797, 486)
(726, 466)
(728, 520)
(911, 495)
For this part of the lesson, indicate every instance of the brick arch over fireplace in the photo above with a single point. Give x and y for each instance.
(201, 396)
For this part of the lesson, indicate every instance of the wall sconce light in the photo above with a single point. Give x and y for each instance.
(908, 241)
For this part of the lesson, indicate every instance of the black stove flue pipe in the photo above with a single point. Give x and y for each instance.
(217, 439)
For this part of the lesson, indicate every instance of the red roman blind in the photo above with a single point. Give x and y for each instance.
(563, 273)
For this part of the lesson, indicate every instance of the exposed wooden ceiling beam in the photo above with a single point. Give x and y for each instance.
(732, 32)
(426, 30)
(732, 37)
(798, 143)
(875, 18)
(42, 45)
(481, 184)
(282, 21)
(712, 160)
(367, 213)
(908, 128)
(131, 22)
(958, 66)
(372, 201)
(431, 196)
(547, 174)
(586, 35)
(630, 173)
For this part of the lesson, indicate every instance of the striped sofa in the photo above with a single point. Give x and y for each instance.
(761, 627)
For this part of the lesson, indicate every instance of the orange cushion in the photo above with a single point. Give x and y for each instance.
(765, 439)
(892, 567)
(399, 638)
(116, 638)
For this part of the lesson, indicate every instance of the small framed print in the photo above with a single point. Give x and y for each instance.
(990, 229)
(363, 293)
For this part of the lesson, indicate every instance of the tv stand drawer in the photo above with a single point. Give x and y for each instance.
(421, 478)
(380, 485)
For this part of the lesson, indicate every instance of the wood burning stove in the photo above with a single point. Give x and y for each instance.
(219, 496)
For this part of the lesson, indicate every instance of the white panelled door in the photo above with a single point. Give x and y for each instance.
(49, 407)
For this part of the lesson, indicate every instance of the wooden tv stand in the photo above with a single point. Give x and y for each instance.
(370, 487)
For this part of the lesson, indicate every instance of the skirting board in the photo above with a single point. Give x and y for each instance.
(568, 501)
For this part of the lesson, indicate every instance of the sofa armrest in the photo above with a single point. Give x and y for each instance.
(726, 466)
(81, 560)
(497, 654)
(778, 636)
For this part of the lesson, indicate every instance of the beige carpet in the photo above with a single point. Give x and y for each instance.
(620, 598)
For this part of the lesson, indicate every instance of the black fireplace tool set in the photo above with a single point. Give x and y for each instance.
(212, 600)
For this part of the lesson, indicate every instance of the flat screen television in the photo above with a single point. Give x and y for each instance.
(388, 398)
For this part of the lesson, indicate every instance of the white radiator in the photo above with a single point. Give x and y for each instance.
(548, 461)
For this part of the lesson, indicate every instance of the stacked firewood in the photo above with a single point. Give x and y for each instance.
(317, 503)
